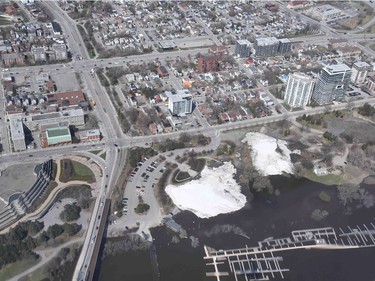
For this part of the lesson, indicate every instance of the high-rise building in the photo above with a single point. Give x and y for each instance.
(299, 90)
(243, 49)
(17, 134)
(359, 72)
(266, 47)
(181, 103)
(332, 83)
(285, 46)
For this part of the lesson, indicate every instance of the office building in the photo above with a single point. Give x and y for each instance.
(325, 12)
(332, 83)
(243, 49)
(16, 133)
(266, 47)
(55, 119)
(359, 72)
(181, 103)
(299, 90)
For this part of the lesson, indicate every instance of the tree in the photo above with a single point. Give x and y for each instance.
(55, 230)
(260, 183)
(367, 110)
(185, 137)
(71, 228)
(142, 208)
(70, 213)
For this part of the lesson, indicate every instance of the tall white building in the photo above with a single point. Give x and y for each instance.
(299, 90)
(359, 72)
(16, 133)
(181, 103)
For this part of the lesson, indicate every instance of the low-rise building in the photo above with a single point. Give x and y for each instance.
(88, 135)
(39, 53)
(59, 52)
(325, 12)
(162, 71)
(67, 118)
(55, 136)
(10, 59)
(218, 51)
(65, 99)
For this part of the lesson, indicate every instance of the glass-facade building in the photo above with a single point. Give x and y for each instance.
(332, 83)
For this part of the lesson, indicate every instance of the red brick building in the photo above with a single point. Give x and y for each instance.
(208, 63)
(162, 71)
(89, 135)
(72, 98)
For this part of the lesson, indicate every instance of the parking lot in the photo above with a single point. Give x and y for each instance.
(140, 186)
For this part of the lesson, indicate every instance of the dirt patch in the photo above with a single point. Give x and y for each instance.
(16, 178)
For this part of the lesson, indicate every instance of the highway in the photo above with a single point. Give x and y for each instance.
(115, 142)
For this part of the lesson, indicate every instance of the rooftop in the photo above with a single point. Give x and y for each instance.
(16, 128)
(302, 76)
(361, 64)
(243, 42)
(267, 41)
(57, 132)
(341, 67)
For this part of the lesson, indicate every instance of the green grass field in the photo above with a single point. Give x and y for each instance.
(327, 179)
(82, 172)
(104, 155)
(96, 152)
(16, 268)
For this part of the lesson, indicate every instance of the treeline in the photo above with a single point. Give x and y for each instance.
(367, 110)
(21, 240)
(137, 154)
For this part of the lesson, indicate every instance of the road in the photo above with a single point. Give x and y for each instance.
(69, 27)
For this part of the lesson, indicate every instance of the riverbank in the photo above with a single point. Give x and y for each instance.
(266, 216)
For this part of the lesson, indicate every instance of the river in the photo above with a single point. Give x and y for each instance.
(266, 216)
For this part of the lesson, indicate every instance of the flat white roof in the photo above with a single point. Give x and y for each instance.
(16, 128)
(361, 64)
(243, 42)
(337, 68)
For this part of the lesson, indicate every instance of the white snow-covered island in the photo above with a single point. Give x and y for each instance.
(270, 156)
(215, 192)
